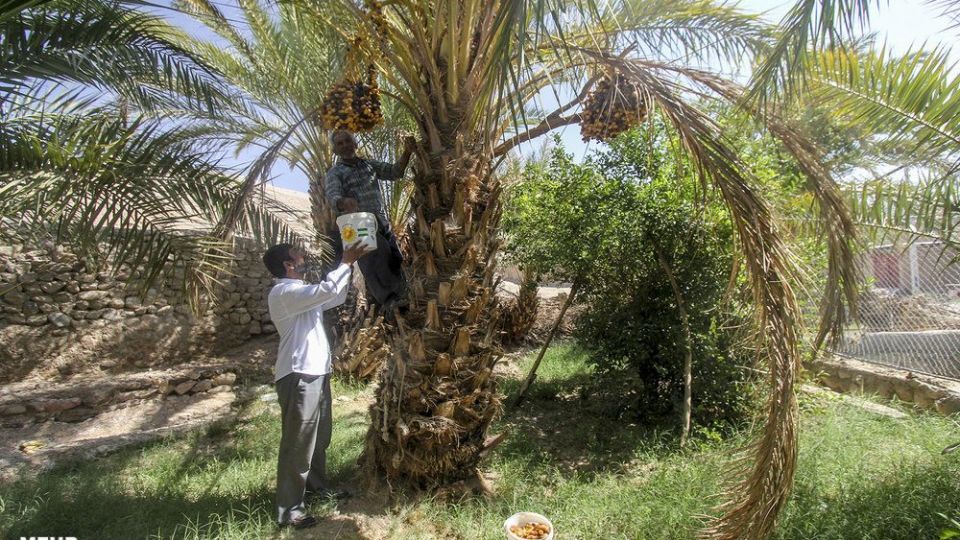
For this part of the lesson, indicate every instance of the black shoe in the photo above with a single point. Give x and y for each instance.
(303, 522)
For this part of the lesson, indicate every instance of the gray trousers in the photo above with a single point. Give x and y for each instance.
(306, 422)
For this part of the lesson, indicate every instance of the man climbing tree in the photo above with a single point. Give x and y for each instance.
(352, 186)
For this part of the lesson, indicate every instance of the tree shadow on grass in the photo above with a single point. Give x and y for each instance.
(218, 483)
(565, 423)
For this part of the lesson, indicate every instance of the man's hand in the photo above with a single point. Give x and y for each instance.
(354, 252)
(347, 205)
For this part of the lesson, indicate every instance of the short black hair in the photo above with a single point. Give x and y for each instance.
(274, 258)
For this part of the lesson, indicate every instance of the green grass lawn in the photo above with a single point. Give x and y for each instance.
(861, 476)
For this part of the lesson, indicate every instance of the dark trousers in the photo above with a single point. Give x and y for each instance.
(307, 422)
(381, 269)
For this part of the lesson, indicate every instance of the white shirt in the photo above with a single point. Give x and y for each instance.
(296, 309)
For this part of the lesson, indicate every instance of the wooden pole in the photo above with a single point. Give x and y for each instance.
(543, 350)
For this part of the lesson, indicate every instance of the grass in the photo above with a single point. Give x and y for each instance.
(861, 476)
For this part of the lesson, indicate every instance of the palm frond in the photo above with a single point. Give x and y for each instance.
(122, 194)
(810, 25)
(100, 45)
(905, 211)
(908, 100)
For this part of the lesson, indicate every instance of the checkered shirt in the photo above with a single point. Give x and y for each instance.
(359, 181)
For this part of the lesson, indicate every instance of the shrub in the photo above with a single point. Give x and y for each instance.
(605, 224)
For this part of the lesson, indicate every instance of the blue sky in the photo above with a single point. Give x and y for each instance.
(901, 24)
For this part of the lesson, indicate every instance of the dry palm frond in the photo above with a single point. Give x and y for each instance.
(520, 313)
(840, 291)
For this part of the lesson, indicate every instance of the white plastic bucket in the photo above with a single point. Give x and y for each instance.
(522, 518)
(359, 227)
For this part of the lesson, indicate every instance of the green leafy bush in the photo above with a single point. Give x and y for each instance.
(611, 224)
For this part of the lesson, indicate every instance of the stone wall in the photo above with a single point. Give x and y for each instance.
(855, 377)
(59, 317)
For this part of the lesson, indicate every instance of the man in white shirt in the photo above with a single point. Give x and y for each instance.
(302, 376)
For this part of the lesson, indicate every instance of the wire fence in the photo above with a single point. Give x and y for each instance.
(909, 310)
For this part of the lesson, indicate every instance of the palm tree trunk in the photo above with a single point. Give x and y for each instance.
(436, 396)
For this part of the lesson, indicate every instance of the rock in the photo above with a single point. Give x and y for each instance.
(8, 277)
(48, 308)
(184, 387)
(57, 405)
(73, 287)
(15, 298)
(63, 298)
(948, 405)
(30, 308)
(132, 302)
(218, 389)
(88, 286)
(36, 320)
(60, 320)
(98, 396)
(255, 328)
(115, 303)
(904, 390)
(92, 295)
(77, 415)
(27, 277)
(269, 329)
(225, 379)
(13, 408)
(52, 287)
(202, 386)
(86, 278)
(244, 318)
(112, 315)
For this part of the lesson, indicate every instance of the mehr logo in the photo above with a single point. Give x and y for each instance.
(48, 538)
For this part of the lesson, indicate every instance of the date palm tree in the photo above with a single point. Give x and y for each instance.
(471, 75)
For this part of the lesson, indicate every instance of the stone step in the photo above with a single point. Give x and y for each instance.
(82, 397)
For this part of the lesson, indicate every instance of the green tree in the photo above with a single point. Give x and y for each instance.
(628, 225)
